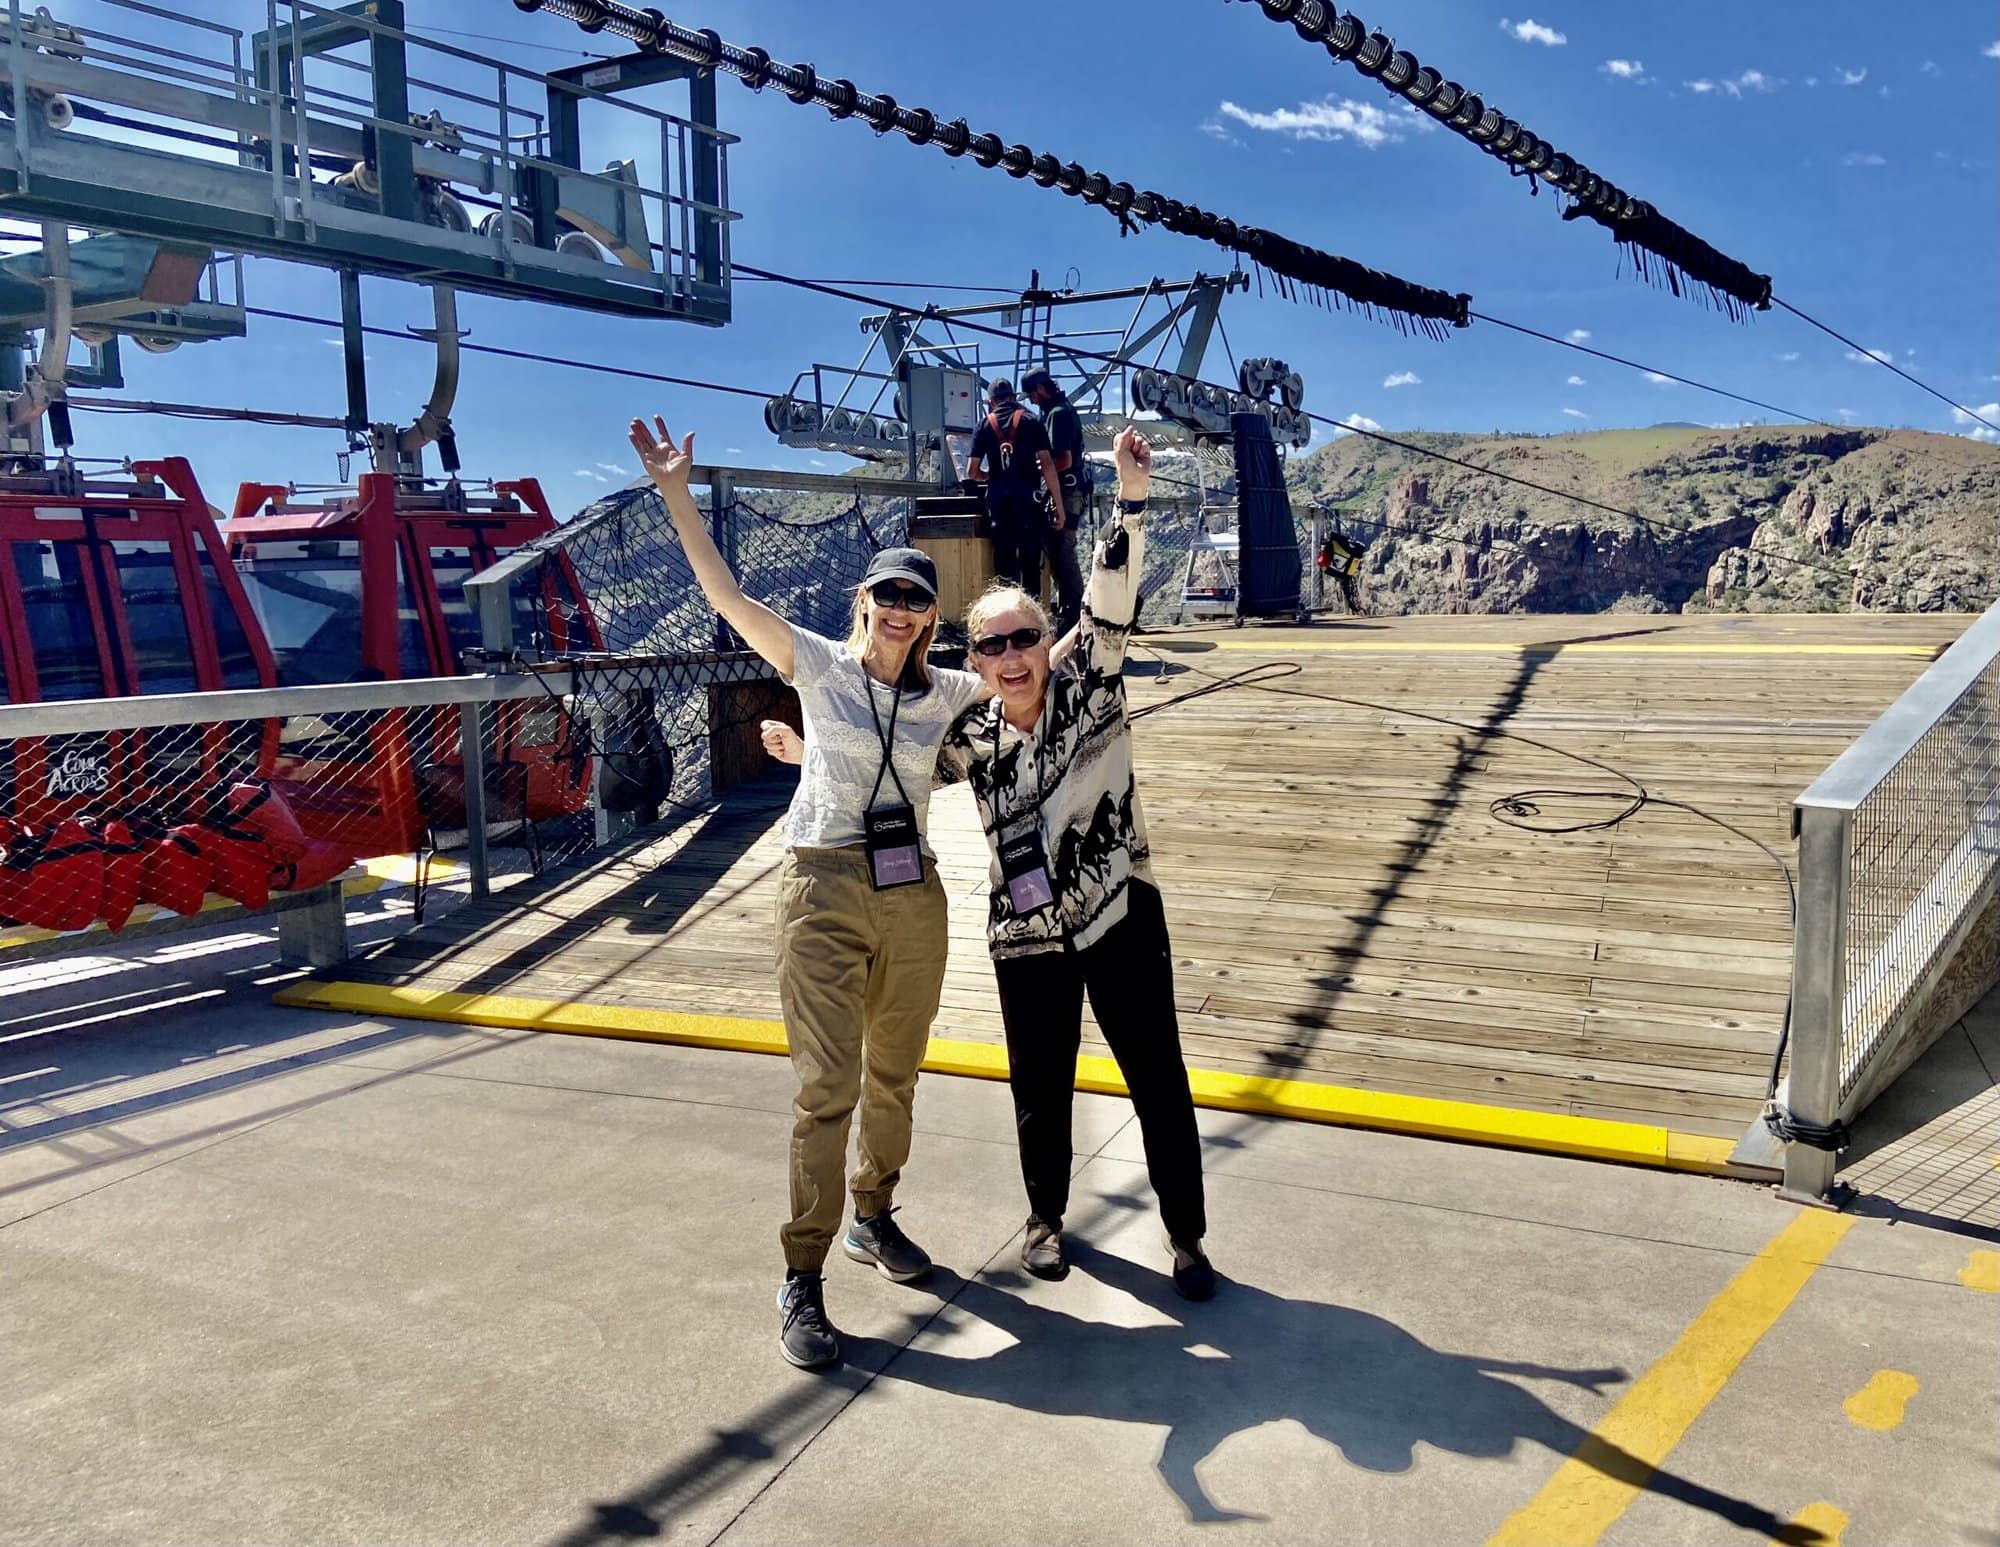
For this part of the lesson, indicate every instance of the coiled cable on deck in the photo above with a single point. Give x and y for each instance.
(1522, 809)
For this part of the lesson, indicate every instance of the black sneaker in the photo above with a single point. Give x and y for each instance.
(807, 1338)
(1194, 1276)
(1042, 1251)
(879, 1240)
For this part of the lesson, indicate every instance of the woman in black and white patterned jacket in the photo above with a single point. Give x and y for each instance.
(1074, 910)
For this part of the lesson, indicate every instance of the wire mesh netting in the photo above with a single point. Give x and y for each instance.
(108, 826)
(638, 605)
(1924, 850)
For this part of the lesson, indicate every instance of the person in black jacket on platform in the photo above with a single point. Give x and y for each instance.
(1010, 456)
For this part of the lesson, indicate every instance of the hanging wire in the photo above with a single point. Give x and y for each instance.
(1326, 277)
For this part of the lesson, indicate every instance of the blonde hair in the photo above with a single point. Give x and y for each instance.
(1003, 596)
(916, 665)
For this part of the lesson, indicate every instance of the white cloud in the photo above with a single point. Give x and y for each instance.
(614, 470)
(1884, 356)
(1403, 379)
(591, 473)
(734, 451)
(1863, 158)
(1991, 50)
(1216, 131)
(1978, 430)
(1812, 80)
(1331, 119)
(1851, 77)
(1624, 69)
(1533, 32)
(1930, 67)
(1576, 381)
(1576, 413)
(1578, 335)
(1789, 357)
(1750, 82)
(1844, 415)
(1657, 379)
(1354, 422)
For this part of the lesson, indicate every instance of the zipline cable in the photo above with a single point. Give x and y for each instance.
(1662, 251)
(1870, 354)
(1323, 275)
(1078, 352)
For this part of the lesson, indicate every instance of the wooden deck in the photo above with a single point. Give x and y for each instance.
(1344, 906)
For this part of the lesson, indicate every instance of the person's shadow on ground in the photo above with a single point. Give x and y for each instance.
(1355, 1380)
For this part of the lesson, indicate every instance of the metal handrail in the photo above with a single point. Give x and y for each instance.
(21, 721)
(1899, 859)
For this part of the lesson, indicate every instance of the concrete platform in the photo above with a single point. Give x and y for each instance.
(285, 1277)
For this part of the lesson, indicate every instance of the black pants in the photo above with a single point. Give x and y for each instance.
(1063, 566)
(1129, 977)
(1018, 529)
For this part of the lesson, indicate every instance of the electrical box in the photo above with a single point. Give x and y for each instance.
(943, 400)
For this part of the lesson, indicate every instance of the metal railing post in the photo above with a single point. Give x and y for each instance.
(1819, 989)
(472, 751)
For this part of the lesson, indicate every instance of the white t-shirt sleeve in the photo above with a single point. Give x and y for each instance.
(962, 690)
(812, 655)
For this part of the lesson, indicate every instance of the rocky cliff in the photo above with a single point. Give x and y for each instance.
(1795, 519)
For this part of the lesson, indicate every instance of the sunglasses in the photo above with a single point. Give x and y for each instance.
(888, 594)
(996, 644)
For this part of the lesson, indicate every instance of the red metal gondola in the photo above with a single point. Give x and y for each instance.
(369, 586)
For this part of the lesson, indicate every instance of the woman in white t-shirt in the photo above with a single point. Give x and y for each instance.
(861, 913)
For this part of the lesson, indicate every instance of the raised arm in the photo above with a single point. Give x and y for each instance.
(1111, 595)
(668, 466)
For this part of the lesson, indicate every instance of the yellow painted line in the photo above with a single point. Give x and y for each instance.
(1593, 1488)
(1498, 647)
(1821, 1522)
(1880, 1404)
(1981, 1272)
(1556, 1133)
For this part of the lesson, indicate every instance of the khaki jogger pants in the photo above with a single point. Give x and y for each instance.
(860, 973)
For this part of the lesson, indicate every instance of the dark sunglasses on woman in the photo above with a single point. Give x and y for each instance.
(996, 644)
(888, 594)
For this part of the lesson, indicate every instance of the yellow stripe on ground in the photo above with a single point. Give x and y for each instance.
(1586, 647)
(1981, 1272)
(1881, 1403)
(1824, 1520)
(1593, 1487)
(1427, 1116)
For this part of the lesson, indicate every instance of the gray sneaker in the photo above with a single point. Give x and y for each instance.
(879, 1240)
(806, 1338)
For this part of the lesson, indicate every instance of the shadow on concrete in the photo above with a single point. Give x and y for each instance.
(1357, 1381)
(1927, 1151)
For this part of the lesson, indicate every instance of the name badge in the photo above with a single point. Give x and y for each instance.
(1025, 869)
(895, 856)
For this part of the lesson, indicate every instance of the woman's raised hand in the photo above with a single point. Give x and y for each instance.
(666, 464)
(1134, 456)
(782, 742)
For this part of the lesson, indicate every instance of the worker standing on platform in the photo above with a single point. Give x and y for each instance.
(1010, 455)
(1073, 909)
(1065, 432)
(861, 913)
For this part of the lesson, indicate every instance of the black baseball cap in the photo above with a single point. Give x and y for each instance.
(1038, 377)
(911, 564)
(1000, 390)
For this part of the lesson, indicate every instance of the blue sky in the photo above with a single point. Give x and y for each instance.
(1855, 163)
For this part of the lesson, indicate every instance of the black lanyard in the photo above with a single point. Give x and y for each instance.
(887, 738)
